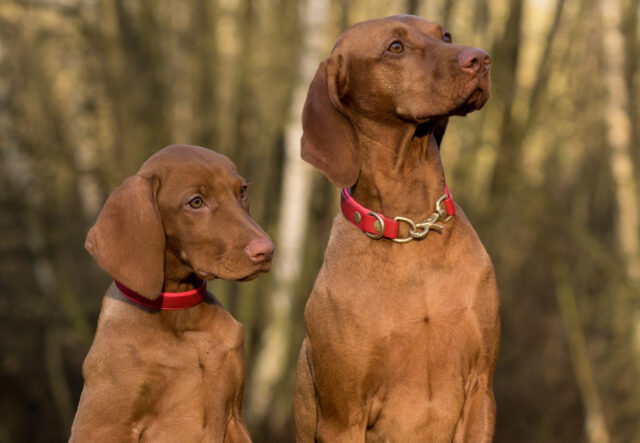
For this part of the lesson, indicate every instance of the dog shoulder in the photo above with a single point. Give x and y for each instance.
(229, 331)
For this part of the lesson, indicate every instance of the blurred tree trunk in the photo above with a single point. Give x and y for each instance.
(273, 358)
(507, 50)
(206, 102)
(413, 7)
(56, 376)
(244, 97)
(542, 77)
(595, 425)
(481, 18)
(514, 130)
(134, 80)
(619, 137)
(447, 10)
(632, 52)
(344, 7)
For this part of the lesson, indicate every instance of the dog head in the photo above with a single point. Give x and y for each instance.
(186, 205)
(390, 71)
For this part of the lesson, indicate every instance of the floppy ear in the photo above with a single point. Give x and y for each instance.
(128, 240)
(439, 128)
(329, 140)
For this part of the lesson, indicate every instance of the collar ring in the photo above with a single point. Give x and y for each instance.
(378, 226)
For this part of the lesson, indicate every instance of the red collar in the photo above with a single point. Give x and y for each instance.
(376, 225)
(167, 300)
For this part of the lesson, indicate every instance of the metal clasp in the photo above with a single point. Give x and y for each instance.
(442, 212)
(428, 224)
(418, 231)
(412, 228)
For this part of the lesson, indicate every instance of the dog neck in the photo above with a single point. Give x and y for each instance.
(178, 276)
(399, 162)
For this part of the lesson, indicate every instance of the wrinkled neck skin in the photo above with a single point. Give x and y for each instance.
(178, 276)
(401, 172)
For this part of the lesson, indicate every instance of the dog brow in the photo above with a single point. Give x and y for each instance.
(400, 31)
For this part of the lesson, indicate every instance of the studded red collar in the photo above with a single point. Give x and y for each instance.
(167, 300)
(376, 225)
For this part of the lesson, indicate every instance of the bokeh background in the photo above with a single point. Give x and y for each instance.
(547, 172)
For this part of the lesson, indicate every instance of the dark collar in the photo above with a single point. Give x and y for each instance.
(167, 300)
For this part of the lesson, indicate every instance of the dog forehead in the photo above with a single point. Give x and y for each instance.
(368, 33)
(183, 154)
(189, 166)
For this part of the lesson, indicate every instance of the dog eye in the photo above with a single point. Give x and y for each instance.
(396, 47)
(244, 191)
(196, 202)
(447, 37)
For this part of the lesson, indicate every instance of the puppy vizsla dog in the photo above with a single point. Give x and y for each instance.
(402, 323)
(167, 362)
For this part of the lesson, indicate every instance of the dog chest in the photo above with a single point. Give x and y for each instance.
(162, 385)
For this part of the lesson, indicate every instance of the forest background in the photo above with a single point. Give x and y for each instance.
(547, 172)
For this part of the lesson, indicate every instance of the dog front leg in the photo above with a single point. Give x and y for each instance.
(477, 421)
(330, 431)
(304, 401)
(341, 419)
(309, 427)
(236, 431)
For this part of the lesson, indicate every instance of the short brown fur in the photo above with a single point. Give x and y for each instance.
(402, 338)
(170, 376)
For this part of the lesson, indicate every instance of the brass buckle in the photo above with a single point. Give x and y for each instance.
(380, 233)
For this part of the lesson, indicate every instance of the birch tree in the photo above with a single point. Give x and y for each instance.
(619, 135)
(272, 359)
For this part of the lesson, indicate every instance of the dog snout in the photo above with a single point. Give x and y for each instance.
(474, 60)
(260, 251)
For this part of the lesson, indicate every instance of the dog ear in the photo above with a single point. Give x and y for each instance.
(128, 240)
(439, 128)
(329, 140)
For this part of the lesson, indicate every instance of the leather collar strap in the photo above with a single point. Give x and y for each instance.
(448, 202)
(365, 219)
(371, 221)
(167, 300)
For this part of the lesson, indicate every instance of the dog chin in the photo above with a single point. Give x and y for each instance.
(264, 268)
(237, 276)
(250, 276)
(205, 275)
(474, 101)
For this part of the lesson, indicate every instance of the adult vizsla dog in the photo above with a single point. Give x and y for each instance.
(167, 361)
(402, 322)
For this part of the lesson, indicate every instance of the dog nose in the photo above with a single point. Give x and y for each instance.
(474, 60)
(260, 251)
